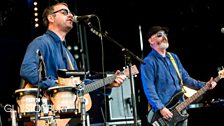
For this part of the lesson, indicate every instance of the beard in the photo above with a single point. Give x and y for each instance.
(164, 45)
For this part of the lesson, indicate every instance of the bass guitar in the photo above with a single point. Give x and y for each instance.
(156, 119)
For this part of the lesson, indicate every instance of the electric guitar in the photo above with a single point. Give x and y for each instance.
(156, 119)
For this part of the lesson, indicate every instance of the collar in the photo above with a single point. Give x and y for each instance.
(53, 35)
(155, 53)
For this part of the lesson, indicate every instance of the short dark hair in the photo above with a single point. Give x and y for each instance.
(154, 29)
(49, 10)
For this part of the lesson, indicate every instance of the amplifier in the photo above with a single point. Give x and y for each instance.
(120, 102)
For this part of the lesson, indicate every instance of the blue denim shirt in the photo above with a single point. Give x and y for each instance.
(55, 58)
(160, 80)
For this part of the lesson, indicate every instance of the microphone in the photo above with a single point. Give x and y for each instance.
(82, 18)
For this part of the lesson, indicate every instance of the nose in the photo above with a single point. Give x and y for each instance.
(164, 37)
(71, 14)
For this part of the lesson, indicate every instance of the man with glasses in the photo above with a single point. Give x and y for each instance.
(162, 80)
(50, 47)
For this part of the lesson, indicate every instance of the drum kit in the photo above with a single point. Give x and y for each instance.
(57, 105)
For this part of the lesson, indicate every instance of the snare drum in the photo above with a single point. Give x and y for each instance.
(26, 100)
(64, 100)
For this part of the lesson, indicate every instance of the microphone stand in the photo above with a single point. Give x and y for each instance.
(13, 117)
(41, 77)
(38, 93)
(80, 89)
(129, 54)
(129, 64)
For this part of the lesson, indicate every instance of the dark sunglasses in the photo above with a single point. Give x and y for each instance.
(63, 11)
(160, 34)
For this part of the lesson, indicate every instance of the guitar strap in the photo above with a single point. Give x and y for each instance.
(70, 62)
(178, 73)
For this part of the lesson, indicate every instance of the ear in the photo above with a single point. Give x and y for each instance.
(50, 18)
(150, 41)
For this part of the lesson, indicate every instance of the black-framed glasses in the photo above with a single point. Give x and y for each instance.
(160, 34)
(63, 11)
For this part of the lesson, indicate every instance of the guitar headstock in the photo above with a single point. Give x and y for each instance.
(134, 70)
(221, 73)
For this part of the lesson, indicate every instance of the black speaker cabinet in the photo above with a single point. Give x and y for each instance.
(120, 102)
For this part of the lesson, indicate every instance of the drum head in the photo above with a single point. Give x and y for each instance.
(26, 91)
(54, 90)
(26, 100)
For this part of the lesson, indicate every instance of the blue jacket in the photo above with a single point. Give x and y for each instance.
(55, 58)
(160, 80)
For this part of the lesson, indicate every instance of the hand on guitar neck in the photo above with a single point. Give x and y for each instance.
(189, 91)
(167, 114)
(120, 78)
(211, 83)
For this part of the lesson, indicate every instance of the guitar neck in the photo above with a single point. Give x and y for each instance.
(99, 83)
(103, 82)
(200, 92)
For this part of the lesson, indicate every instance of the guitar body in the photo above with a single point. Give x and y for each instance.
(156, 119)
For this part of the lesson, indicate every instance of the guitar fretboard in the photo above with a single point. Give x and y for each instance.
(103, 82)
(99, 83)
(195, 96)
